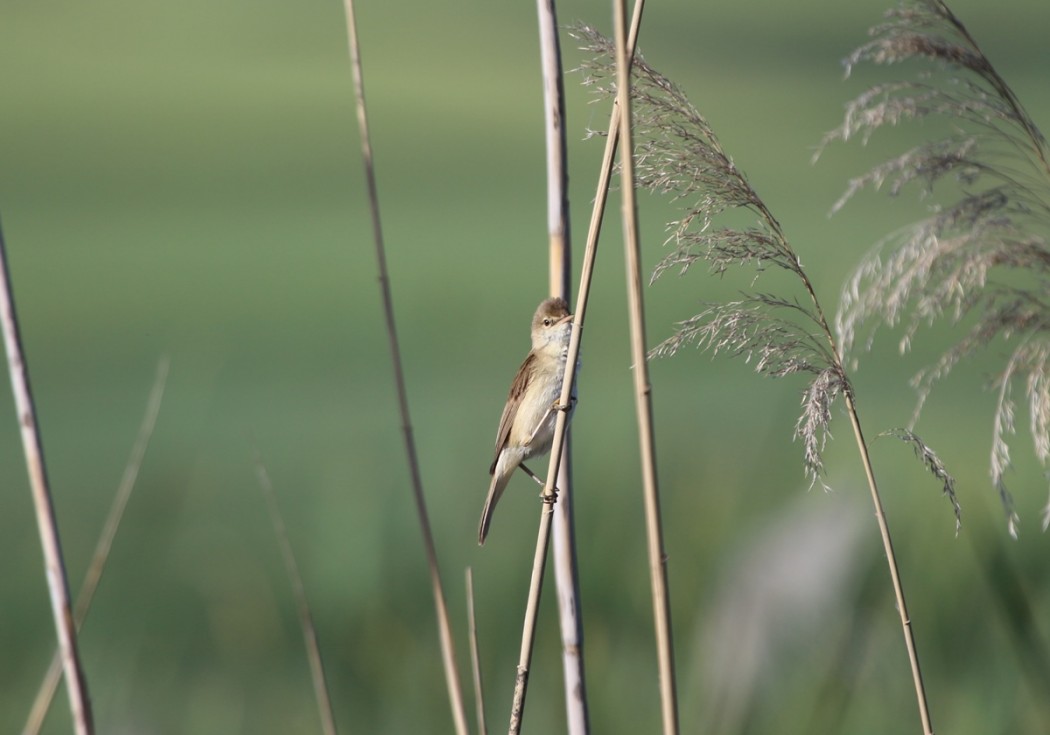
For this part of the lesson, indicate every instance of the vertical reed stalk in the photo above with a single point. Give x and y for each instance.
(566, 571)
(539, 563)
(455, 693)
(643, 389)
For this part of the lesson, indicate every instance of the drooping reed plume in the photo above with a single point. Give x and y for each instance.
(678, 155)
(981, 258)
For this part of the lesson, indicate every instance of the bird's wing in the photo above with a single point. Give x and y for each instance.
(510, 411)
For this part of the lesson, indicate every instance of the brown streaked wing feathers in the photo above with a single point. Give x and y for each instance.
(517, 389)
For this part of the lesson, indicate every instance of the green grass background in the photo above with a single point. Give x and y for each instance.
(184, 179)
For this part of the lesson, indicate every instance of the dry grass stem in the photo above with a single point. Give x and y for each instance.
(661, 596)
(302, 605)
(45, 694)
(981, 259)
(455, 692)
(54, 565)
(532, 605)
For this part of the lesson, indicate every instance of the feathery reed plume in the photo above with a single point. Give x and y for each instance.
(982, 258)
(679, 155)
(933, 464)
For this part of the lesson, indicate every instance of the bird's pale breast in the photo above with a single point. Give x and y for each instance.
(543, 391)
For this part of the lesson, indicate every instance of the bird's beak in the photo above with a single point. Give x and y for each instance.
(563, 320)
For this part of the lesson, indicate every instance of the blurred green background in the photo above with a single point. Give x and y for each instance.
(184, 179)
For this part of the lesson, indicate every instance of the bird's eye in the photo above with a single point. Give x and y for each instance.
(547, 322)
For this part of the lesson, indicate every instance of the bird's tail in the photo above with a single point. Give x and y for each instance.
(500, 478)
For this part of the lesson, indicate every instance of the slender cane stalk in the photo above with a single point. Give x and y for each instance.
(455, 693)
(580, 312)
(566, 573)
(643, 391)
(880, 514)
(891, 561)
(46, 693)
(54, 566)
(876, 499)
(539, 563)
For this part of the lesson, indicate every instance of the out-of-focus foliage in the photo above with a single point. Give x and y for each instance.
(183, 178)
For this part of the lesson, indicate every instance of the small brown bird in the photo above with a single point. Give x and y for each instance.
(526, 428)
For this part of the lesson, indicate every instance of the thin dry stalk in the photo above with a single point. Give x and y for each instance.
(580, 312)
(661, 595)
(891, 560)
(680, 155)
(475, 656)
(539, 563)
(566, 572)
(54, 566)
(46, 693)
(306, 618)
(455, 692)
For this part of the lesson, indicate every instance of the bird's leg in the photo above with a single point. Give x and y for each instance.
(542, 483)
(533, 475)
